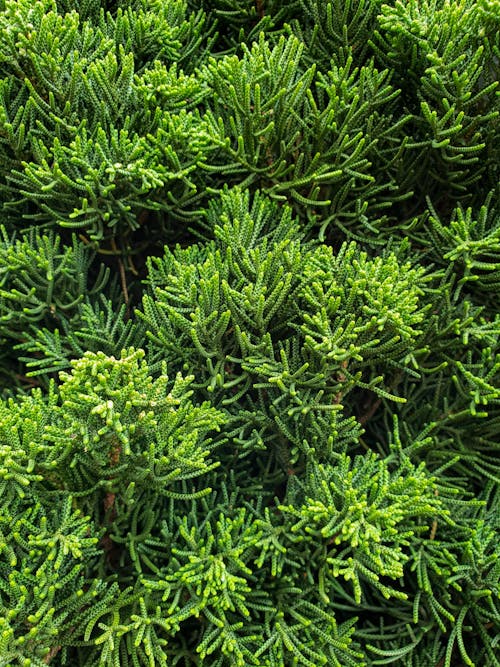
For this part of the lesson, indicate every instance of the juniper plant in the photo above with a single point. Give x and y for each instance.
(249, 333)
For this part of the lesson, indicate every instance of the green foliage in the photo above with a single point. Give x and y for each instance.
(262, 320)
(448, 54)
(470, 244)
(90, 148)
(42, 280)
(107, 439)
(322, 145)
(97, 327)
(332, 30)
(360, 515)
(292, 208)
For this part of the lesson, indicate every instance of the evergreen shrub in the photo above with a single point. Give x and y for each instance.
(249, 333)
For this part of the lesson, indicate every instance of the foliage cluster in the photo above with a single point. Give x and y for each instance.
(249, 333)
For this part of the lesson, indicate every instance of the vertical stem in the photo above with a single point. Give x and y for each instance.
(123, 278)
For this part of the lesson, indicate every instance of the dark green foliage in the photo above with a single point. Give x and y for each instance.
(249, 333)
(42, 281)
(470, 243)
(82, 140)
(447, 54)
(335, 29)
(279, 330)
(321, 144)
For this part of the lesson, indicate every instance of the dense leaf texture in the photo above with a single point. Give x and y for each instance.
(249, 333)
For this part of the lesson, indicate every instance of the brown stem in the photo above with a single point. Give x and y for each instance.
(370, 412)
(109, 504)
(52, 654)
(29, 381)
(143, 217)
(122, 271)
(131, 265)
(260, 8)
(340, 378)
